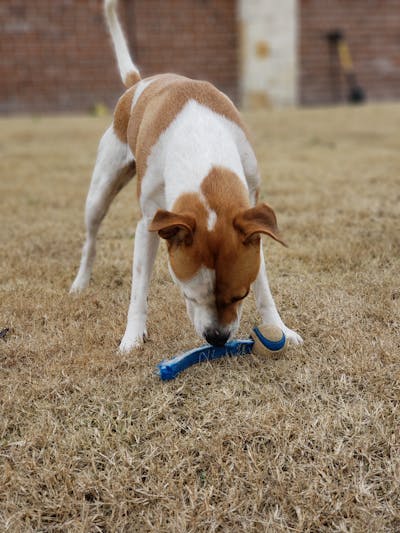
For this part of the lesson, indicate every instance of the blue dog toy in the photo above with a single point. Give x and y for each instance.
(169, 369)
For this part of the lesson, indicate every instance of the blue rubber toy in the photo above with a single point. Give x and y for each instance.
(169, 369)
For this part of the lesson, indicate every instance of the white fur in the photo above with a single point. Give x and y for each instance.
(195, 141)
(199, 298)
(211, 214)
(199, 294)
(112, 156)
(211, 220)
(124, 60)
(266, 305)
(144, 254)
(140, 87)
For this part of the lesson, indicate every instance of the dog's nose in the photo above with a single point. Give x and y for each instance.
(216, 337)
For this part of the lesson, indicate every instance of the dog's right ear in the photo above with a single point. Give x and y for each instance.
(259, 219)
(173, 227)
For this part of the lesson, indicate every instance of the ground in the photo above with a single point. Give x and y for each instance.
(91, 440)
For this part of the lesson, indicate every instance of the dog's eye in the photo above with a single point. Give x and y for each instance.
(189, 298)
(238, 298)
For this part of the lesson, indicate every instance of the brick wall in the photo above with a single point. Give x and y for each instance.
(56, 54)
(372, 28)
(198, 38)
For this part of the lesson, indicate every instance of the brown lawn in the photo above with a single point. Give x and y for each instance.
(92, 441)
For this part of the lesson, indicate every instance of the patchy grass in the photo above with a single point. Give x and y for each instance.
(93, 441)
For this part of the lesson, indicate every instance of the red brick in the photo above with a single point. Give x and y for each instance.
(47, 45)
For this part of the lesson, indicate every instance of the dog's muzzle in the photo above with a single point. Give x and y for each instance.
(216, 337)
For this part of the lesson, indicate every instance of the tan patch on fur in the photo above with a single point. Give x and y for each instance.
(236, 264)
(224, 191)
(131, 79)
(186, 260)
(122, 114)
(160, 103)
(258, 219)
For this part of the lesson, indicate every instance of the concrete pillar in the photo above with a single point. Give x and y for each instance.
(268, 50)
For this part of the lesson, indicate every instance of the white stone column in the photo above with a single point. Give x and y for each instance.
(268, 52)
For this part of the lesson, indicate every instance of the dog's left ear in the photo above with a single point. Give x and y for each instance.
(259, 219)
(173, 226)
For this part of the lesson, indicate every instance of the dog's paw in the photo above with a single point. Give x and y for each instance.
(74, 289)
(78, 286)
(291, 336)
(131, 342)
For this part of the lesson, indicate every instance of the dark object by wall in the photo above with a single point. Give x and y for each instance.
(372, 29)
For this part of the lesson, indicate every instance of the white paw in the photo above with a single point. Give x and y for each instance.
(78, 286)
(291, 336)
(75, 289)
(131, 342)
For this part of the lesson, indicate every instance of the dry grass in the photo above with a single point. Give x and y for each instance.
(92, 441)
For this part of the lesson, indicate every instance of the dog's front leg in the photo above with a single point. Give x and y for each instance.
(145, 250)
(266, 305)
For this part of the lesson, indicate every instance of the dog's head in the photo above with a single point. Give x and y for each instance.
(213, 244)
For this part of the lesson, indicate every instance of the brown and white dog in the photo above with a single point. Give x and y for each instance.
(197, 186)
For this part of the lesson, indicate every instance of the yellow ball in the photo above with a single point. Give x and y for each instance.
(268, 340)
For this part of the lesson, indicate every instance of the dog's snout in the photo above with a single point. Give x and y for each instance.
(216, 337)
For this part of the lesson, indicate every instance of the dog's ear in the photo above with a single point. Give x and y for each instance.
(173, 226)
(259, 219)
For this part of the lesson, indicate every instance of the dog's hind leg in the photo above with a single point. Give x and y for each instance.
(114, 168)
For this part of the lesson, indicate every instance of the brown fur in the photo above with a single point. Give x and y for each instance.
(158, 105)
(122, 114)
(131, 79)
(259, 219)
(223, 249)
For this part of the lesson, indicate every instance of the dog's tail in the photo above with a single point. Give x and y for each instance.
(127, 69)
